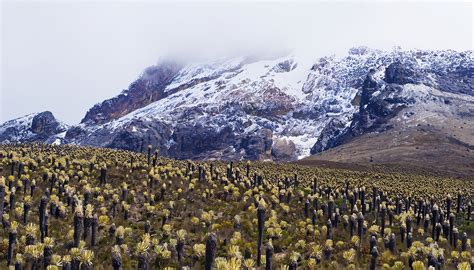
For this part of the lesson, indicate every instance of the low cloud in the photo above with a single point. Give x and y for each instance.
(66, 56)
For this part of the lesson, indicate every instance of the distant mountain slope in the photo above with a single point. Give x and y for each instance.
(279, 109)
(33, 127)
(429, 135)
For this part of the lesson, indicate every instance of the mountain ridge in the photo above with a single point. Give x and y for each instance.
(281, 109)
(42, 126)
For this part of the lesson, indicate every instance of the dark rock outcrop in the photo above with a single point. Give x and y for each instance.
(459, 81)
(329, 137)
(39, 127)
(75, 132)
(9, 134)
(285, 66)
(191, 141)
(145, 90)
(201, 142)
(258, 145)
(139, 134)
(402, 73)
(283, 150)
(374, 111)
(44, 124)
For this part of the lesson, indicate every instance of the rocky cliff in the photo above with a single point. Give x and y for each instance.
(270, 109)
(43, 127)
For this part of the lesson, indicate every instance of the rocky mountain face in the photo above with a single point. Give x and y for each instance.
(145, 90)
(408, 84)
(41, 127)
(272, 109)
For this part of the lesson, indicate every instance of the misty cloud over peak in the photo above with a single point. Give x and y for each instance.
(97, 48)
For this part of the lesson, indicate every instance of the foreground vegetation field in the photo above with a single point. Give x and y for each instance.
(65, 207)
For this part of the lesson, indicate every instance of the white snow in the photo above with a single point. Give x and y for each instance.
(303, 144)
(196, 71)
(56, 142)
(303, 99)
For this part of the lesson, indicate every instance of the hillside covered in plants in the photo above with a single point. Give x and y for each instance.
(68, 207)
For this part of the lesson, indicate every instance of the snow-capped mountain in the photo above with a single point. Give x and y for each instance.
(271, 109)
(33, 127)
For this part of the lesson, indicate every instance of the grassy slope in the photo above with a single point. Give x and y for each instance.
(208, 199)
(437, 141)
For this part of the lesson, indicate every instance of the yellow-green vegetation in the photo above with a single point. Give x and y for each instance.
(66, 207)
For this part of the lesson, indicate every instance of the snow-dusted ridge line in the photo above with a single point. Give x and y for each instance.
(20, 121)
(234, 99)
(21, 129)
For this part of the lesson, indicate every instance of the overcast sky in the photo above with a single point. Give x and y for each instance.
(66, 56)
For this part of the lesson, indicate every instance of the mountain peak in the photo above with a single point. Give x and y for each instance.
(42, 126)
(276, 108)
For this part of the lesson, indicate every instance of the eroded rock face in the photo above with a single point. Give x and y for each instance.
(75, 132)
(402, 73)
(242, 108)
(36, 127)
(145, 90)
(458, 81)
(9, 133)
(329, 136)
(44, 124)
(285, 66)
(139, 134)
(284, 150)
(199, 142)
(192, 141)
(257, 145)
(380, 102)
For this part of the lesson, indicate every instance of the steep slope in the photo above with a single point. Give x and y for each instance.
(415, 115)
(437, 132)
(157, 82)
(236, 112)
(278, 109)
(411, 80)
(41, 127)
